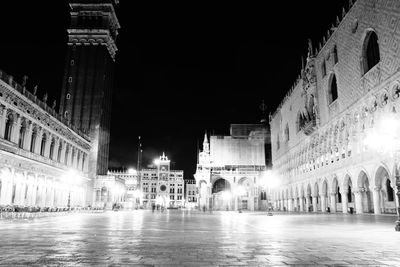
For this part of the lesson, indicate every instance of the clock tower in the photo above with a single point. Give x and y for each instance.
(163, 170)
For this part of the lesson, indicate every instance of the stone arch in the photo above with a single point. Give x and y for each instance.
(384, 191)
(366, 201)
(220, 184)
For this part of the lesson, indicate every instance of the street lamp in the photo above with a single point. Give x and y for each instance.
(268, 181)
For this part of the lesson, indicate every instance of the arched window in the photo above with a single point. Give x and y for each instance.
(371, 55)
(78, 158)
(22, 132)
(389, 190)
(333, 91)
(59, 152)
(43, 145)
(335, 55)
(53, 142)
(73, 157)
(33, 141)
(9, 127)
(287, 133)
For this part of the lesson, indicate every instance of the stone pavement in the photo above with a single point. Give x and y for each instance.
(183, 238)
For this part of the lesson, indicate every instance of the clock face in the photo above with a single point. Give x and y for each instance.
(163, 188)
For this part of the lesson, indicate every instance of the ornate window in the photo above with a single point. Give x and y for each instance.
(333, 90)
(9, 127)
(22, 132)
(59, 152)
(33, 140)
(43, 145)
(335, 55)
(371, 55)
(53, 142)
(287, 133)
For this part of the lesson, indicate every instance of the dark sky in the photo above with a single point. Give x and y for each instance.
(181, 68)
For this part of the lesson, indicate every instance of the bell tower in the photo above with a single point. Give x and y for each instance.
(88, 76)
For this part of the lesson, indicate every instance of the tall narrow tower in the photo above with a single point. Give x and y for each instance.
(88, 76)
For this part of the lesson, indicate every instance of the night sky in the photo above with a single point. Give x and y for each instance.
(181, 68)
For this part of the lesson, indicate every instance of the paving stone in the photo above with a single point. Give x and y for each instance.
(143, 238)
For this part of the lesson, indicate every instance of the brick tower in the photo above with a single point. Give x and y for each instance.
(88, 76)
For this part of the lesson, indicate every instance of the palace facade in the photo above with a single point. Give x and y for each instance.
(335, 144)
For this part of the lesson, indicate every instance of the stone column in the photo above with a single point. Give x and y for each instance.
(333, 202)
(345, 201)
(39, 138)
(290, 204)
(377, 200)
(323, 203)
(301, 204)
(47, 146)
(358, 199)
(15, 131)
(315, 206)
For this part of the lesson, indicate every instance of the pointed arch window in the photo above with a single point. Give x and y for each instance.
(371, 55)
(335, 55)
(333, 89)
(287, 136)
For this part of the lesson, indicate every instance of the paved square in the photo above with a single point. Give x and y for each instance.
(183, 238)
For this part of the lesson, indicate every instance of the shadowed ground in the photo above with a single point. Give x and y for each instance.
(192, 238)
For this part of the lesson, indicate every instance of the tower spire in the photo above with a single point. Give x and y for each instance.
(206, 145)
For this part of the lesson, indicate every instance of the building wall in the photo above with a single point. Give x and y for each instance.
(319, 168)
(43, 162)
(190, 191)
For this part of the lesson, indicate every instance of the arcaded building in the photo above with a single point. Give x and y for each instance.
(335, 135)
(43, 160)
(55, 159)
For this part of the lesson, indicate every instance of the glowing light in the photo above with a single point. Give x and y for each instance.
(131, 171)
(240, 191)
(226, 195)
(156, 162)
(384, 137)
(137, 193)
(269, 180)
